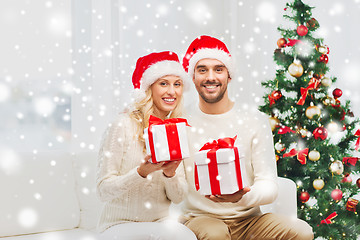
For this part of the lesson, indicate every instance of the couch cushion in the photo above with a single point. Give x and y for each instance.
(40, 195)
(85, 166)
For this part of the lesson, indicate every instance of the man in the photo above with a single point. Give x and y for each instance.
(232, 216)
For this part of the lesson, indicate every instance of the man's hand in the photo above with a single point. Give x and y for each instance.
(235, 197)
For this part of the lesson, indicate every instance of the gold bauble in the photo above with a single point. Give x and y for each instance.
(312, 111)
(296, 69)
(337, 167)
(328, 101)
(326, 82)
(274, 122)
(314, 155)
(318, 184)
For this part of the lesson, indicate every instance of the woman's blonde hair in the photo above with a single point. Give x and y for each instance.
(142, 111)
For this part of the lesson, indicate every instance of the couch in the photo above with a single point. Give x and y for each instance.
(51, 195)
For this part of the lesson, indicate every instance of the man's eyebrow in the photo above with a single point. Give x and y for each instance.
(216, 66)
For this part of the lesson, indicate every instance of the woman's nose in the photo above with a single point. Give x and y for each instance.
(171, 90)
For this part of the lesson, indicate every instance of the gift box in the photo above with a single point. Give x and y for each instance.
(166, 140)
(219, 168)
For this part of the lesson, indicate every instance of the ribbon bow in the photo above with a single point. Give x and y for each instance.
(329, 218)
(350, 160)
(357, 145)
(220, 143)
(285, 129)
(313, 84)
(157, 121)
(292, 42)
(301, 155)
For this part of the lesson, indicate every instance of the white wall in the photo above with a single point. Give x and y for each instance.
(80, 56)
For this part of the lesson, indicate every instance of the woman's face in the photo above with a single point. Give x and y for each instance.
(166, 94)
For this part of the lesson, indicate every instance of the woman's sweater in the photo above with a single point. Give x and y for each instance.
(128, 197)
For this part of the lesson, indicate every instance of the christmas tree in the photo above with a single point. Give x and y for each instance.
(315, 132)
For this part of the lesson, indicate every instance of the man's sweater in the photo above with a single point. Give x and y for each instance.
(254, 136)
(129, 197)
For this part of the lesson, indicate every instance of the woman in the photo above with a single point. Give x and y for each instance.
(137, 193)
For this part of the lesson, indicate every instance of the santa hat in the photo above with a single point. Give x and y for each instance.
(207, 47)
(153, 66)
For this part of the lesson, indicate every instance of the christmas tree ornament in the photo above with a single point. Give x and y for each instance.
(274, 96)
(346, 178)
(304, 132)
(304, 196)
(336, 194)
(326, 82)
(279, 147)
(296, 69)
(281, 42)
(327, 101)
(333, 127)
(323, 58)
(302, 30)
(274, 123)
(318, 184)
(358, 182)
(337, 93)
(323, 49)
(337, 167)
(351, 204)
(314, 155)
(320, 133)
(312, 111)
(312, 24)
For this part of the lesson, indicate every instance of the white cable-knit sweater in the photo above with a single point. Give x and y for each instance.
(129, 197)
(255, 138)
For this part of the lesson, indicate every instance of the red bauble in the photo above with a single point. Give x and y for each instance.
(323, 58)
(336, 194)
(337, 93)
(304, 197)
(302, 30)
(320, 133)
(276, 94)
(346, 178)
(358, 182)
(281, 42)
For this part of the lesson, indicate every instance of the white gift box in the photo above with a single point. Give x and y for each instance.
(226, 167)
(167, 144)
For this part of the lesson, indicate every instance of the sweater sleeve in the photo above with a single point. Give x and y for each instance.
(264, 190)
(176, 187)
(110, 184)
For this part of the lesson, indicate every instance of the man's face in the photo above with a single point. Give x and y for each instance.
(211, 78)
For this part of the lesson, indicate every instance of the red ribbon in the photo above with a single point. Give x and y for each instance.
(357, 145)
(213, 167)
(329, 218)
(292, 42)
(350, 160)
(171, 134)
(301, 155)
(285, 129)
(313, 84)
(158, 121)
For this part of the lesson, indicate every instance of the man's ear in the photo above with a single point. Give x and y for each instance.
(229, 79)
(193, 78)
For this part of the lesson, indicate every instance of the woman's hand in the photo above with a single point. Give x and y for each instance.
(169, 168)
(147, 167)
